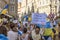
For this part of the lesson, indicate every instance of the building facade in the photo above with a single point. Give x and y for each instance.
(19, 10)
(59, 7)
(47, 6)
(13, 7)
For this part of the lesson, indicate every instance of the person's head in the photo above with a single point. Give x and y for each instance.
(26, 24)
(59, 24)
(54, 25)
(33, 26)
(13, 27)
(3, 30)
(37, 30)
(25, 30)
(20, 28)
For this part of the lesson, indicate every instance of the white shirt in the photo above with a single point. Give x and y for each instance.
(25, 37)
(12, 35)
(36, 36)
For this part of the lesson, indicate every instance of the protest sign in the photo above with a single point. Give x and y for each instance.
(39, 18)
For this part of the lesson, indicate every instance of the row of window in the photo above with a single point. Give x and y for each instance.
(12, 8)
(42, 2)
(12, 1)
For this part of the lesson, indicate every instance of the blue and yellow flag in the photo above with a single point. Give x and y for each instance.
(4, 11)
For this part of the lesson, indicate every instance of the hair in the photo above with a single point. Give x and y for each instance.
(24, 30)
(4, 23)
(58, 24)
(13, 27)
(3, 30)
(26, 24)
(54, 25)
(37, 27)
(19, 27)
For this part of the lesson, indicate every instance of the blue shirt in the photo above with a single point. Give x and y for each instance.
(20, 32)
(3, 37)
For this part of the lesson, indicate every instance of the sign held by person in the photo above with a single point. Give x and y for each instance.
(39, 18)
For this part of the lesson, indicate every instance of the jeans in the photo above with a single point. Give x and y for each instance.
(46, 37)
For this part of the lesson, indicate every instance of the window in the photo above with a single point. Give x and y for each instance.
(12, 1)
(12, 8)
(40, 3)
(47, 1)
(59, 8)
(43, 2)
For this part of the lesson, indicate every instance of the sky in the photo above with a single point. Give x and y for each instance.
(19, 0)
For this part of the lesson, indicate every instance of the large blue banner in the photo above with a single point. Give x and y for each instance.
(39, 18)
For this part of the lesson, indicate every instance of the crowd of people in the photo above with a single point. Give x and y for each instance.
(34, 32)
(8, 30)
(13, 30)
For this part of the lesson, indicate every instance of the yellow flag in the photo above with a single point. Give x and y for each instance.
(29, 19)
(4, 11)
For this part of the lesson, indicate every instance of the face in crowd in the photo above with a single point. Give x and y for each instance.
(37, 30)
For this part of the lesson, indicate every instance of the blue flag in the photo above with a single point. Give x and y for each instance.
(6, 6)
(48, 25)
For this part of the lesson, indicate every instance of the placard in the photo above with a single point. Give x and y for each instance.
(39, 18)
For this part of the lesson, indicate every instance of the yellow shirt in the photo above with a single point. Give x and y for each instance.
(48, 32)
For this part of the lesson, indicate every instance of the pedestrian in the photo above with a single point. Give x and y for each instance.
(59, 31)
(13, 33)
(29, 31)
(36, 33)
(47, 33)
(3, 33)
(55, 32)
(32, 27)
(20, 30)
(25, 34)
